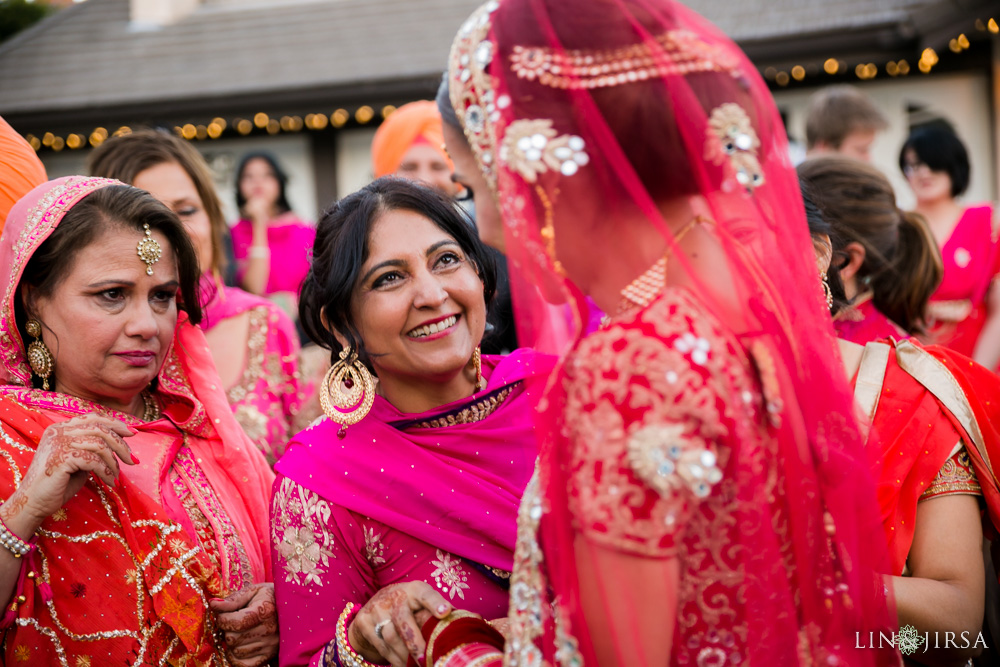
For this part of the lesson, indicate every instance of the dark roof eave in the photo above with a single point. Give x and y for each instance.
(317, 99)
(882, 38)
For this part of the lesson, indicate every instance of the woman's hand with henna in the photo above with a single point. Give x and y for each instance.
(67, 454)
(249, 619)
(386, 628)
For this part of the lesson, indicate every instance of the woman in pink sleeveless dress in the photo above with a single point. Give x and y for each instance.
(964, 313)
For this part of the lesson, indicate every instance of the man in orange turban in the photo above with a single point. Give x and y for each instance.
(410, 144)
(20, 169)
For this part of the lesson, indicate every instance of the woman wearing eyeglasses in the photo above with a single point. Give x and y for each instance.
(964, 313)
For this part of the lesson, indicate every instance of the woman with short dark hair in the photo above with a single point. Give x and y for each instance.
(964, 312)
(405, 495)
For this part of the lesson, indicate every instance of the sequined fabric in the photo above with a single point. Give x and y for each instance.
(127, 585)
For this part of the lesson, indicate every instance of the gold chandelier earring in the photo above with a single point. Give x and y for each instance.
(39, 356)
(827, 293)
(347, 392)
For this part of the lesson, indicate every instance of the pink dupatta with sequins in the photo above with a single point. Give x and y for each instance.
(456, 487)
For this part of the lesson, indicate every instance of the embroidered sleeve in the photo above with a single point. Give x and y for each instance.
(644, 415)
(319, 555)
(956, 477)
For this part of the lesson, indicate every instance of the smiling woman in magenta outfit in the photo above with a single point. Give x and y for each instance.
(416, 472)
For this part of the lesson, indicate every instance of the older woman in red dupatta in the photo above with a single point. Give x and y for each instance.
(185, 523)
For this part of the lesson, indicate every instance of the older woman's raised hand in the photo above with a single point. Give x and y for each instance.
(249, 619)
(388, 626)
(67, 454)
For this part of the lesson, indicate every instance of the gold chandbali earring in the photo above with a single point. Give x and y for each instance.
(827, 293)
(149, 250)
(477, 362)
(351, 406)
(39, 357)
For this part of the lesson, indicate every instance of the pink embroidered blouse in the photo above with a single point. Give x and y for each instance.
(327, 556)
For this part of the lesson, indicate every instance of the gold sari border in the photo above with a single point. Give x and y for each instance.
(938, 380)
(871, 375)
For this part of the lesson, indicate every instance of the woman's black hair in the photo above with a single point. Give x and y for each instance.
(112, 207)
(445, 108)
(940, 149)
(819, 226)
(279, 174)
(343, 240)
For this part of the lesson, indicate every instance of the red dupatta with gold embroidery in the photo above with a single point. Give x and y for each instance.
(113, 580)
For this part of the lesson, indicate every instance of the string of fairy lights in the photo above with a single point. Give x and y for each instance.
(218, 126)
(261, 122)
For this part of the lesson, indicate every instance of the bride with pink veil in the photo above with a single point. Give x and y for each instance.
(700, 498)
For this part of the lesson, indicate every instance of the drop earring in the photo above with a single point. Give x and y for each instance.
(39, 356)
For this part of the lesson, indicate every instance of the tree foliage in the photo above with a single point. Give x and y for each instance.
(16, 15)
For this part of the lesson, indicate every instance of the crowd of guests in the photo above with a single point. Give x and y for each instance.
(521, 400)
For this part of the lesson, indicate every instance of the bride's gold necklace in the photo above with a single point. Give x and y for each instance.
(643, 290)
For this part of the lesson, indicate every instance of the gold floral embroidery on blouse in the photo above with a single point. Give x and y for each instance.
(651, 406)
(300, 533)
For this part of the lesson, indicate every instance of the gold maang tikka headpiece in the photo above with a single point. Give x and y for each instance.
(149, 250)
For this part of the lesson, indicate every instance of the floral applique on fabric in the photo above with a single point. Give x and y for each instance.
(732, 138)
(449, 575)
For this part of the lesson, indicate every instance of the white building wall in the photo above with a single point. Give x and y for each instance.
(223, 155)
(354, 160)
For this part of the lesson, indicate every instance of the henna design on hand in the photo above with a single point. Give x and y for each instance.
(13, 506)
(64, 451)
(264, 616)
(409, 638)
